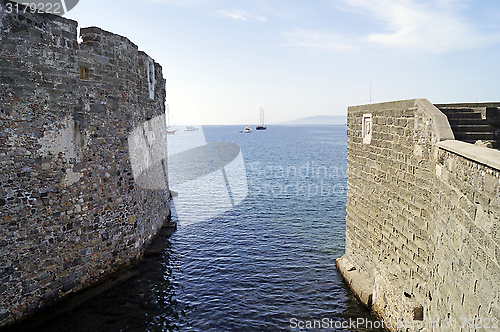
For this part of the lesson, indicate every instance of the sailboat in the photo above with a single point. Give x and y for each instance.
(262, 125)
(170, 129)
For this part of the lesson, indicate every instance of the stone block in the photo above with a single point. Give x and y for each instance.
(362, 287)
(491, 185)
(69, 286)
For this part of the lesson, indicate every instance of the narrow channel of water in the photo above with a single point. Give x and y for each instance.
(268, 264)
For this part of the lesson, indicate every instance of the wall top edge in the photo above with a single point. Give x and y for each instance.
(440, 121)
(97, 30)
(485, 104)
(383, 105)
(60, 19)
(481, 154)
(144, 54)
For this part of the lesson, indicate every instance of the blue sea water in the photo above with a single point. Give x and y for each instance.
(266, 264)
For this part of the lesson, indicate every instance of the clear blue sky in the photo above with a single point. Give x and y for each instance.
(224, 60)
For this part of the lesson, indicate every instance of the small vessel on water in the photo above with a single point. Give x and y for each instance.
(191, 128)
(262, 125)
(170, 129)
(247, 129)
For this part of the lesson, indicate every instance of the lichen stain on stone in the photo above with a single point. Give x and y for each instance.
(147, 146)
(71, 177)
(60, 138)
(64, 139)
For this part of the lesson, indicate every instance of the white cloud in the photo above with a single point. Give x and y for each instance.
(317, 39)
(434, 26)
(239, 15)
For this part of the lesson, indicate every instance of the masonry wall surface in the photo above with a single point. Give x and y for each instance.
(423, 228)
(82, 158)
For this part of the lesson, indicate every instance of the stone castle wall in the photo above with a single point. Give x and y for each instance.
(82, 157)
(423, 228)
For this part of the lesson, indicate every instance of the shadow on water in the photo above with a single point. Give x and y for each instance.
(267, 264)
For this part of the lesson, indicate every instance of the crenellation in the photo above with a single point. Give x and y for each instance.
(69, 191)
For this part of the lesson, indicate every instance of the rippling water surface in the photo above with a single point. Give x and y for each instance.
(264, 265)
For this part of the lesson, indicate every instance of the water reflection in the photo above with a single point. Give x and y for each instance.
(208, 178)
(145, 302)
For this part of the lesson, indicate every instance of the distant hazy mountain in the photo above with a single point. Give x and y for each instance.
(317, 120)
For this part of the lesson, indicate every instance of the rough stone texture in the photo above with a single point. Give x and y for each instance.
(82, 150)
(355, 280)
(422, 221)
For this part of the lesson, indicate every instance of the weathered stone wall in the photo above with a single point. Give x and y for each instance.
(467, 232)
(82, 150)
(422, 235)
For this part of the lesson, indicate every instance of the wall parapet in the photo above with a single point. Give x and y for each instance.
(480, 154)
(440, 122)
(423, 218)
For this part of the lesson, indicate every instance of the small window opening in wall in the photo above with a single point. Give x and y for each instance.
(366, 128)
(84, 73)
